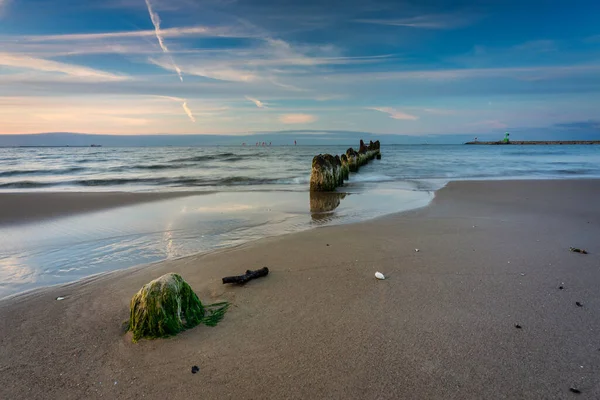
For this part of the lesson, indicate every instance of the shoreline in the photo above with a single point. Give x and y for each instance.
(492, 255)
(24, 207)
(316, 218)
(124, 199)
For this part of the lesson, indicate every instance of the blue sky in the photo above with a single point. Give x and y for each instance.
(236, 67)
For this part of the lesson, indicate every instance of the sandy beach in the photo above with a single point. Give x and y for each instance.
(492, 255)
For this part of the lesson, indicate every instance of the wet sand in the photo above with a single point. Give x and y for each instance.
(30, 207)
(491, 255)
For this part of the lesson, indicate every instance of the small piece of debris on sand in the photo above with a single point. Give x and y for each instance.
(195, 369)
(578, 304)
(573, 390)
(518, 326)
(576, 250)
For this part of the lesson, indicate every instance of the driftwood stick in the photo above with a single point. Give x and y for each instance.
(249, 275)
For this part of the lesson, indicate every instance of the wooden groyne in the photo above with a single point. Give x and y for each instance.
(533, 142)
(329, 172)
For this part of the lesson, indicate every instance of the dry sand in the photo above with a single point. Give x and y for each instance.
(442, 326)
(29, 207)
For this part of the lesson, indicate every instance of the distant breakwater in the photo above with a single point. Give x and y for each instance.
(530, 142)
(329, 172)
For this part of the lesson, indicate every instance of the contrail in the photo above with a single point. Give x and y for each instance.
(188, 111)
(156, 22)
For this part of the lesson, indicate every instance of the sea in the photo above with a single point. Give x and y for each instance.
(240, 194)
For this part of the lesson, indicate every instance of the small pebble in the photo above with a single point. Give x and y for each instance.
(327, 244)
(60, 298)
(561, 288)
(522, 274)
(578, 304)
(573, 390)
(518, 326)
(195, 369)
(417, 250)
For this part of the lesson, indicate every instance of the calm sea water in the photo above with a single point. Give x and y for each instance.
(275, 168)
(250, 193)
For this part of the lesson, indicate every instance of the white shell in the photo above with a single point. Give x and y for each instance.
(379, 275)
(60, 298)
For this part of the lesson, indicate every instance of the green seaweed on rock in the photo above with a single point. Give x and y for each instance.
(167, 306)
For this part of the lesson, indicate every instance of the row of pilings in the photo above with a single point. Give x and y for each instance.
(329, 172)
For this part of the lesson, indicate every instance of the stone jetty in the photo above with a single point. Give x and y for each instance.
(534, 142)
(329, 172)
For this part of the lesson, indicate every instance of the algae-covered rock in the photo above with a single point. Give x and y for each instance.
(352, 157)
(167, 306)
(345, 167)
(325, 173)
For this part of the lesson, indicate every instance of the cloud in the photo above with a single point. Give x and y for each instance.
(3, 6)
(297, 118)
(581, 125)
(188, 111)
(223, 73)
(520, 73)
(393, 113)
(257, 102)
(431, 21)
(438, 111)
(39, 64)
(156, 22)
(537, 46)
(169, 32)
(184, 105)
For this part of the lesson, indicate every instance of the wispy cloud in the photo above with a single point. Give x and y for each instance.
(215, 71)
(257, 102)
(297, 118)
(438, 111)
(3, 5)
(393, 113)
(431, 21)
(156, 22)
(188, 111)
(20, 61)
(169, 32)
(537, 46)
(521, 73)
(183, 105)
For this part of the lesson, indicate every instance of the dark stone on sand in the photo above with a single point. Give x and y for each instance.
(195, 369)
(578, 304)
(518, 326)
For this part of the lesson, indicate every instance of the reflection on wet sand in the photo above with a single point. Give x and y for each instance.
(322, 205)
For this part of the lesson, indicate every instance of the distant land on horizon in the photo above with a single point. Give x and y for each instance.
(63, 139)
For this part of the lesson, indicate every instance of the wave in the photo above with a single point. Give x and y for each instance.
(41, 172)
(160, 181)
(154, 167)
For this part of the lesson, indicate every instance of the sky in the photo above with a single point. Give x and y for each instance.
(237, 67)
